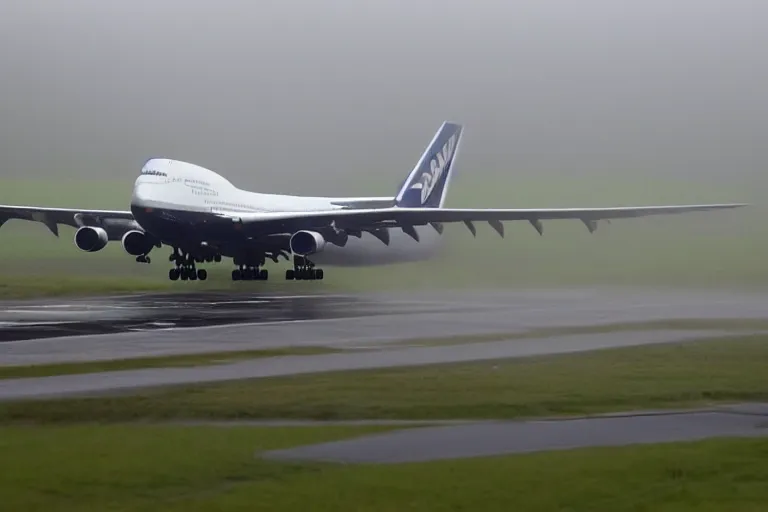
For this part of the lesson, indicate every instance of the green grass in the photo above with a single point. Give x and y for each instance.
(716, 249)
(143, 468)
(186, 360)
(713, 371)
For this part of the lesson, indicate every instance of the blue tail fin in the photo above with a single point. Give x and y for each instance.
(427, 185)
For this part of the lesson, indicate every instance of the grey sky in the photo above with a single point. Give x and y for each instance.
(268, 91)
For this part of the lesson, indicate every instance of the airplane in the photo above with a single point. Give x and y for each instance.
(203, 217)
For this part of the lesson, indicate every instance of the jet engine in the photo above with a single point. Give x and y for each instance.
(136, 243)
(305, 243)
(91, 239)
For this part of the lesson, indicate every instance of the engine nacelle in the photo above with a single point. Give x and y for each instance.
(137, 243)
(91, 239)
(305, 243)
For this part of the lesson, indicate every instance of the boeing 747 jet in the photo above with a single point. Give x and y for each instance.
(204, 217)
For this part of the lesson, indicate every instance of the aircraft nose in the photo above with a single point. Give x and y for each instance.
(141, 193)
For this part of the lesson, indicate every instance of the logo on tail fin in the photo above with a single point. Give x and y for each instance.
(427, 183)
(437, 165)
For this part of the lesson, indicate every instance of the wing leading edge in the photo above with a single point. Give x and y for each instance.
(406, 218)
(52, 217)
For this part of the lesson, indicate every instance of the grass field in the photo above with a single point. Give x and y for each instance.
(705, 372)
(137, 468)
(105, 453)
(703, 250)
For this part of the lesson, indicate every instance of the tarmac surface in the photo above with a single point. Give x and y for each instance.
(155, 325)
(484, 439)
(367, 330)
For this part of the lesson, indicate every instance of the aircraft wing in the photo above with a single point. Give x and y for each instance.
(407, 218)
(52, 217)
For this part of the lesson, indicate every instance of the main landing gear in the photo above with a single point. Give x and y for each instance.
(248, 273)
(185, 266)
(303, 270)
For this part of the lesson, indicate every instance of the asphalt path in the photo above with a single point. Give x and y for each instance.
(485, 439)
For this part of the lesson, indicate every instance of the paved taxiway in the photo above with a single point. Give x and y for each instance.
(484, 439)
(70, 385)
(364, 325)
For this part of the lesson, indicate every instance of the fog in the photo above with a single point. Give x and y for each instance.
(321, 97)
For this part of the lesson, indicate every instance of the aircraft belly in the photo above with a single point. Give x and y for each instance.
(174, 227)
(182, 228)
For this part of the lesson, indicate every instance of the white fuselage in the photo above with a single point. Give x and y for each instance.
(174, 201)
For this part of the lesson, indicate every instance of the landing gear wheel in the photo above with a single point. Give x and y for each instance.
(263, 275)
(236, 275)
(174, 274)
(202, 274)
(304, 274)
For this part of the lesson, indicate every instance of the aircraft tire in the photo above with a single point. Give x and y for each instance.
(202, 274)
(290, 274)
(174, 274)
(236, 275)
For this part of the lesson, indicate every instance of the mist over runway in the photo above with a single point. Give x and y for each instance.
(50, 331)
(369, 331)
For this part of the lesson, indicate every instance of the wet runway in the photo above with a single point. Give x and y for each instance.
(110, 315)
(155, 325)
(485, 439)
(361, 327)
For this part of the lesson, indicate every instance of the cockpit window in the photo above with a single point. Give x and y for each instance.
(152, 172)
